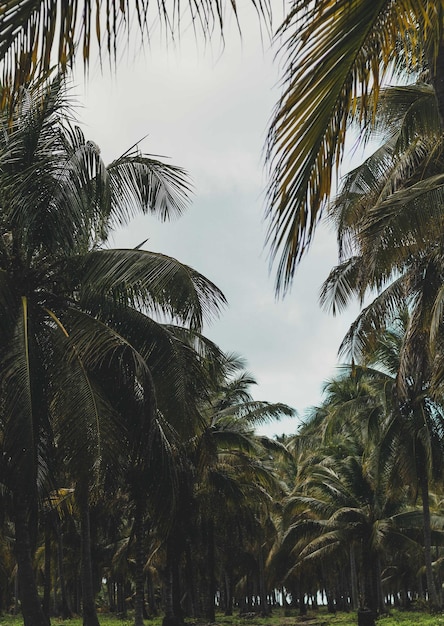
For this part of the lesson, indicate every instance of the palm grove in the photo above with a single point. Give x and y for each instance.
(131, 473)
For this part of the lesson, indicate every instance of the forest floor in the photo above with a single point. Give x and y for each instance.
(320, 617)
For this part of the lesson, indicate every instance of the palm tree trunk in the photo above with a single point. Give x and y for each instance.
(368, 566)
(378, 586)
(151, 596)
(47, 567)
(210, 613)
(190, 582)
(173, 616)
(88, 601)
(32, 611)
(265, 609)
(431, 588)
(139, 564)
(353, 579)
(65, 611)
(228, 593)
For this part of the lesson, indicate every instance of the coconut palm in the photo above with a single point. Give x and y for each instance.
(231, 464)
(337, 56)
(390, 231)
(347, 501)
(224, 482)
(68, 302)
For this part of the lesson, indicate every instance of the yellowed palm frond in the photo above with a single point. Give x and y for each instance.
(337, 53)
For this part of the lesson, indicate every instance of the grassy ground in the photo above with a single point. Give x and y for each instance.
(313, 618)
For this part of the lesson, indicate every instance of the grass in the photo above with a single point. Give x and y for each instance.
(313, 618)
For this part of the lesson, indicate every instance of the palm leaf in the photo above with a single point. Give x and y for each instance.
(335, 52)
(35, 34)
(88, 430)
(372, 319)
(152, 281)
(139, 183)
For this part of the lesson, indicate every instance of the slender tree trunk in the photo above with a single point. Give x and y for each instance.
(65, 611)
(32, 611)
(88, 601)
(353, 579)
(228, 593)
(173, 615)
(47, 568)
(265, 609)
(151, 596)
(431, 588)
(210, 613)
(139, 564)
(378, 585)
(190, 581)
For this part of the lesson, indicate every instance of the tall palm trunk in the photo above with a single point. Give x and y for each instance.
(210, 613)
(139, 563)
(369, 578)
(228, 593)
(378, 586)
(173, 616)
(265, 608)
(88, 600)
(191, 587)
(353, 579)
(431, 588)
(32, 611)
(65, 611)
(47, 567)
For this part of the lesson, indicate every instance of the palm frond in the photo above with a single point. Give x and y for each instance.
(335, 53)
(364, 330)
(343, 282)
(139, 183)
(35, 34)
(152, 281)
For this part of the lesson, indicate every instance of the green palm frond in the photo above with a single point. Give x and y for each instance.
(87, 428)
(369, 194)
(380, 313)
(343, 282)
(404, 112)
(139, 181)
(174, 359)
(36, 34)
(322, 548)
(411, 210)
(335, 52)
(20, 422)
(256, 412)
(152, 281)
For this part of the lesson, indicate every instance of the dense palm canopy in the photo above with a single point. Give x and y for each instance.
(337, 56)
(120, 420)
(389, 223)
(76, 314)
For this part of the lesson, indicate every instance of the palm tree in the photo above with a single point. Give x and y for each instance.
(337, 56)
(36, 34)
(346, 500)
(64, 299)
(224, 483)
(381, 251)
(231, 469)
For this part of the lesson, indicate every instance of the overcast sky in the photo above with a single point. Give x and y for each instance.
(208, 110)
